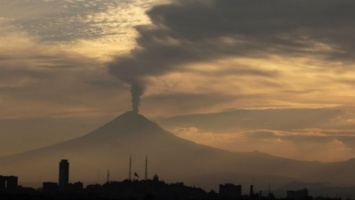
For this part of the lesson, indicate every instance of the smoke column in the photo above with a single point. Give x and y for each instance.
(136, 92)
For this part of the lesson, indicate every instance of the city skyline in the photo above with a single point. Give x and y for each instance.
(243, 76)
(157, 188)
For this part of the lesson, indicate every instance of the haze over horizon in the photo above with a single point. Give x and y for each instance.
(243, 75)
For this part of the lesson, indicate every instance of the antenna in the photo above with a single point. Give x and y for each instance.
(108, 176)
(130, 168)
(146, 168)
(269, 188)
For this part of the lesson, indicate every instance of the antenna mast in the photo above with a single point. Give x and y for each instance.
(269, 188)
(108, 176)
(146, 168)
(130, 168)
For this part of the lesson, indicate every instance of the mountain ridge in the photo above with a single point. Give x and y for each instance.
(109, 147)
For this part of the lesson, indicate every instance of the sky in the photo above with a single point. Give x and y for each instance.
(244, 75)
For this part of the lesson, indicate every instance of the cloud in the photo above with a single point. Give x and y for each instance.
(70, 20)
(326, 134)
(299, 145)
(52, 55)
(175, 103)
(42, 80)
(269, 119)
(199, 31)
(72, 23)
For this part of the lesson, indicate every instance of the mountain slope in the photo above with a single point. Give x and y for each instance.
(174, 159)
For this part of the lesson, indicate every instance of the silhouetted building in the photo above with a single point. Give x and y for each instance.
(9, 182)
(77, 185)
(12, 182)
(230, 191)
(156, 177)
(49, 186)
(2, 182)
(297, 194)
(251, 191)
(63, 173)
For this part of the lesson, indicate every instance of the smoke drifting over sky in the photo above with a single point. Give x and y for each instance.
(198, 31)
(205, 30)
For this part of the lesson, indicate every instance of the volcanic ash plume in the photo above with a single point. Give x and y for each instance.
(136, 92)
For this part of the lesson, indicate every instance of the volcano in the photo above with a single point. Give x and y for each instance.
(172, 158)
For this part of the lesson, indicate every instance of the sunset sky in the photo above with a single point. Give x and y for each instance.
(275, 76)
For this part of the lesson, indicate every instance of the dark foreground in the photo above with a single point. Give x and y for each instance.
(140, 190)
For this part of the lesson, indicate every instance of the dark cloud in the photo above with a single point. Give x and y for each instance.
(242, 70)
(105, 84)
(193, 31)
(186, 102)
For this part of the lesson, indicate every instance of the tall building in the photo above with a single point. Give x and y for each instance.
(63, 173)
